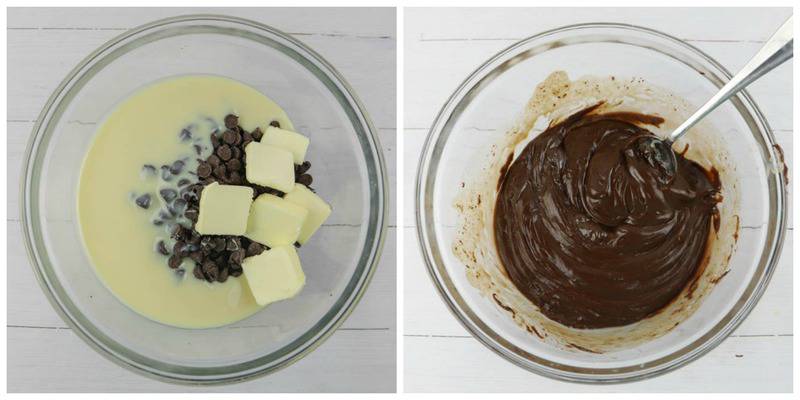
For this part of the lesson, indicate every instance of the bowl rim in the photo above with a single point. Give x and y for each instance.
(370, 254)
(426, 235)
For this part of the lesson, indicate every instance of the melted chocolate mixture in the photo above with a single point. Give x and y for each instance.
(593, 234)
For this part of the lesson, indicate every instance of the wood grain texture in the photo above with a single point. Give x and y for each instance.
(43, 354)
(443, 46)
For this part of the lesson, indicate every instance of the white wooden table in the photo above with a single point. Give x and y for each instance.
(43, 45)
(441, 48)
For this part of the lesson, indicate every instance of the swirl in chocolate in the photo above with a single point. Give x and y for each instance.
(594, 235)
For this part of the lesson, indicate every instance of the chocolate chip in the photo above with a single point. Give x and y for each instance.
(180, 233)
(254, 249)
(198, 149)
(210, 270)
(161, 247)
(237, 257)
(215, 142)
(220, 171)
(305, 179)
(231, 121)
(196, 256)
(213, 161)
(168, 194)
(174, 261)
(233, 165)
(223, 276)
(185, 135)
(237, 153)
(247, 137)
(302, 168)
(147, 171)
(219, 244)
(188, 195)
(143, 201)
(233, 244)
(179, 248)
(297, 245)
(204, 170)
(189, 247)
(176, 167)
(165, 173)
(275, 123)
(229, 137)
(165, 215)
(258, 134)
(235, 178)
(224, 152)
(198, 272)
(197, 189)
(274, 192)
(221, 259)
(191, 214)
(178, 206)
(236, 272)
(206, 244)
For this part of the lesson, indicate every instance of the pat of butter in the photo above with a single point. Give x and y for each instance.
(274, 221)
(274, 275)
(269, 166)
(294, 142)
(318, 210)
(224, 209)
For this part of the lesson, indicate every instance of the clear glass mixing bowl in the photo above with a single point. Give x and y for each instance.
(487, 104)
(349, 173)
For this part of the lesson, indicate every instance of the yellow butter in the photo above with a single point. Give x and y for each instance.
(294, 142)
(274, 275)
(224, 209)
(274, 221)
(318, 210)
(269, 166)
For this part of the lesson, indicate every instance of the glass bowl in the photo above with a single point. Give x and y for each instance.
(487, 104)
(349, 171)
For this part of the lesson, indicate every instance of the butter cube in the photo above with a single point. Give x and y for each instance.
(274, 275)
(318, 210)
(269, 166)
(294, 142)
(224, 209)
(274, 221)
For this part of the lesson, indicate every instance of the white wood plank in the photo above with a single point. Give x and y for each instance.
(360, 22)
(56, 360)
(438, 67)
(39, 59)
(742, 364)
(720, 24)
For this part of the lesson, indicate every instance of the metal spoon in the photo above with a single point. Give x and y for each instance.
(658, 152)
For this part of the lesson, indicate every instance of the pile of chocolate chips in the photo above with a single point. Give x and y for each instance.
(217, 257)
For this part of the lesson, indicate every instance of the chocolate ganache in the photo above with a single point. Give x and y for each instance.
(592, 233)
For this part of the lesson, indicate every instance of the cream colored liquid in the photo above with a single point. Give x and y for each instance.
(120, 237)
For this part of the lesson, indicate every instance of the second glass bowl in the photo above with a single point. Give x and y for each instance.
(487, 104)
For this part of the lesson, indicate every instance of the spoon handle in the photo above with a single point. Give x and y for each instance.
(777, 50)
